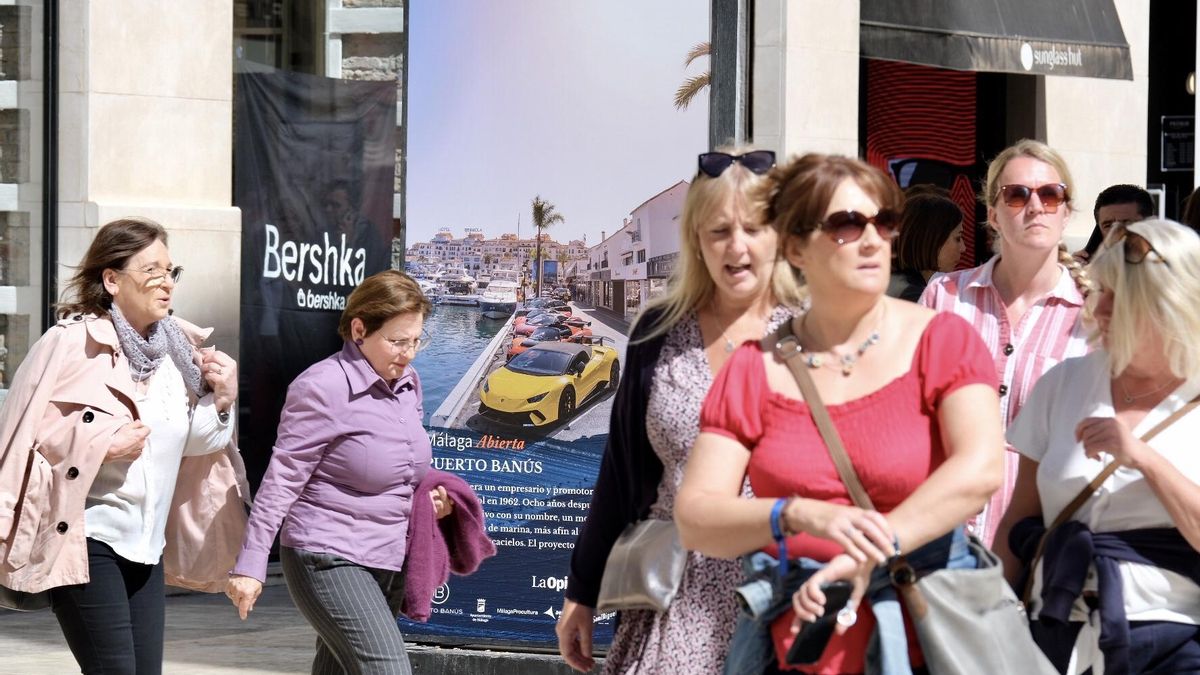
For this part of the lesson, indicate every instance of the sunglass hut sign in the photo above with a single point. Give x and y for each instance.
(1048, 57)
(308, 265)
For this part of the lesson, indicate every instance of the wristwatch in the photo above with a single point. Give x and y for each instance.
(223, 416)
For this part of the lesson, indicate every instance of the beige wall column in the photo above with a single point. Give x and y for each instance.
(1099, 126)
(146, 130)
(805, 80)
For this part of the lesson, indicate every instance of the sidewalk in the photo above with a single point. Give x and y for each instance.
(607, 316)
(205, 637)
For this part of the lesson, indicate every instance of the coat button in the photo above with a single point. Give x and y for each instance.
(1003, 389)
(88, 416)
(1008, 350)
(62, 528)
(72, 473)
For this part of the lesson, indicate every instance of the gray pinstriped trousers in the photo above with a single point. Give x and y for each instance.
(347, 604)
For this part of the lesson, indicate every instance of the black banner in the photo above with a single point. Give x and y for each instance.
(314, 160)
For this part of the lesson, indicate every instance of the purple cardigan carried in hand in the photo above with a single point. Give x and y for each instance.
(458, 543)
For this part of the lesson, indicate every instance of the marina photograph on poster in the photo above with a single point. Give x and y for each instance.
(546, 178)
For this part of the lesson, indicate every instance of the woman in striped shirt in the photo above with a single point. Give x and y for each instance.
(1025, 302)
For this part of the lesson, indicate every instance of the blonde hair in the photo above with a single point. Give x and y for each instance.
(1043, 153)
(690, 286)
(1152, 294)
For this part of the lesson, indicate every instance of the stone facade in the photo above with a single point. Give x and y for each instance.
(15, 42)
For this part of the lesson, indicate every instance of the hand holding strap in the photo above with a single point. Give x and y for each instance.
(1090, 489)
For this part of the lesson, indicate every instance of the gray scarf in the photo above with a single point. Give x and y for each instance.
(146, 355)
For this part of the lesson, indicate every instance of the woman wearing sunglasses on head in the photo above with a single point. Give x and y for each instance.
(910, 392)
(727, 287)
(118, 471)
(1117, 584)
(347, 482)
(1026, 302)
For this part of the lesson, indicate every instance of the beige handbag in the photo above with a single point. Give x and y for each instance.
(644, 568)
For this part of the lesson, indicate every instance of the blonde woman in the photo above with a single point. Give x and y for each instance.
(1025, 302)
(728, 287)
(1123, 574)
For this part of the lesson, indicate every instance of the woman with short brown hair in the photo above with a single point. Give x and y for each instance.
(348, 462)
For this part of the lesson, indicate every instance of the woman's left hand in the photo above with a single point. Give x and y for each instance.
(1110, 435)
(220, 372)
(442, 504)
(809, 601)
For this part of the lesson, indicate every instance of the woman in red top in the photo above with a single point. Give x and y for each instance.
(913, 395)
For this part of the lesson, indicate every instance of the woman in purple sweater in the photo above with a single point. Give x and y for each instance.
(349, 456)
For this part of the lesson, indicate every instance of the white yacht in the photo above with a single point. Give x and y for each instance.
(458, 288)
(499, 301)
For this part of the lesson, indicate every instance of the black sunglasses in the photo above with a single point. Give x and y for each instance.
(1137, 248)
(1050, 194)
(845, 227)
(757, 161)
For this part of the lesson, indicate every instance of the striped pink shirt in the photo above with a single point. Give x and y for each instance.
(1049, 332)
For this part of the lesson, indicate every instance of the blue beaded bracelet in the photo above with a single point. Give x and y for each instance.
(778, 534)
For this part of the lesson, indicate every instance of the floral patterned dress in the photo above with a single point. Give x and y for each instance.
(692, 636)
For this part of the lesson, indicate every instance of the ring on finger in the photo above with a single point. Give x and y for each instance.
(846, 616)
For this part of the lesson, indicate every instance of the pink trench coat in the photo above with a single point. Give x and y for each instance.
(70, 395)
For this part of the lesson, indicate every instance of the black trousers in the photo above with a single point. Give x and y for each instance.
(114, 623)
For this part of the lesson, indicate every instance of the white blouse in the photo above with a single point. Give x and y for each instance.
(1044, 431)
(128, 503)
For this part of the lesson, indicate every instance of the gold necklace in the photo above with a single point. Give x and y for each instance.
(848, 360)
(729, 345)
(1130, 398)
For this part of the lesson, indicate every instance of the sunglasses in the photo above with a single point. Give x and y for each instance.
(845, 227)
(1137, 248)
(757, 161)
(1051, 195)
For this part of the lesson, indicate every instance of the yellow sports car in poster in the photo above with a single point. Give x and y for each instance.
(548, 382)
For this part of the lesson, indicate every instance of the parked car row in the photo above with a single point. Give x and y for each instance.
(554, 365)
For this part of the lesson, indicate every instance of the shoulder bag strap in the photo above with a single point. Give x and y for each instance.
(784, 345)
(1090, 489)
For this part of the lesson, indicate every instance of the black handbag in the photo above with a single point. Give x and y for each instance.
(22, 601)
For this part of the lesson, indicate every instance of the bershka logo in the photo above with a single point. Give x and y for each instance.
(325, 264)
(1048, 59)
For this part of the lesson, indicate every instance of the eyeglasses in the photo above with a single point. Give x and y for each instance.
(1137, 247)
(409, 345)
(156, 275)
(757, 161)
(845, 227)
(1050, 194)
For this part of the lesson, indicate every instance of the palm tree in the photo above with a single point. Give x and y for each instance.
(544, 216)
(693, 85)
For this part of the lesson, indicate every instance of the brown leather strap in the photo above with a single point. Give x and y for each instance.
(784, 345)
(1090, 489)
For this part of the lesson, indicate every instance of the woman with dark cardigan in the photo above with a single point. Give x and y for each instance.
(727, 289)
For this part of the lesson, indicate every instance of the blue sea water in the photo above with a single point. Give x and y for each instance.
(459, 333)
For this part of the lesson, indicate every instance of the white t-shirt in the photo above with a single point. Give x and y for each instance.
(1044, 431)
(128, 503)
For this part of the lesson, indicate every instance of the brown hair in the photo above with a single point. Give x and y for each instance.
(1191, 211)
(928, 221)
(798, 192)
(114, 245)
(379, 298)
